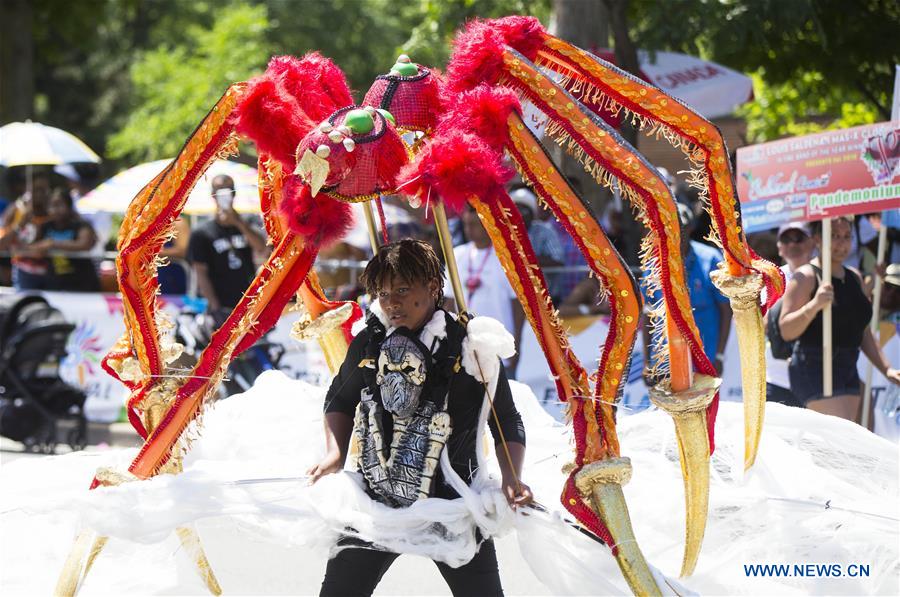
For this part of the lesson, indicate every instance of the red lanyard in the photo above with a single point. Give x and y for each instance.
(473, 281)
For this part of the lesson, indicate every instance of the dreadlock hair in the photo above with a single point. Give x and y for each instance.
(408, 259)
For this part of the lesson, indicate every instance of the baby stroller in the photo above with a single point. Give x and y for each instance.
(33, 398)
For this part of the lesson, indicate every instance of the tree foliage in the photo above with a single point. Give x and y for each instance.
(174, 86)
(824, 62)
(138, 74)
(433, 22)
(804, 106)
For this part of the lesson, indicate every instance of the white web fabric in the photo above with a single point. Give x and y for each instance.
(273, 537)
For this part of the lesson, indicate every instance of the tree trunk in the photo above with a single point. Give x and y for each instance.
(589, 24)
(627, 60)
(585, 24)
(16, 61)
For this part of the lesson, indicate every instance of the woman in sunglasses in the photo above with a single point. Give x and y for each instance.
(807, 294)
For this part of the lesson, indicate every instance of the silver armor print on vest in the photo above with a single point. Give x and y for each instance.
(401, 374)
(407, 474)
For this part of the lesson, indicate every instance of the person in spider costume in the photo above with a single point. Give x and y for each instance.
(406, 392)
(444, 144)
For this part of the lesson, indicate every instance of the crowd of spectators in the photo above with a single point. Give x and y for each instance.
(46, 245)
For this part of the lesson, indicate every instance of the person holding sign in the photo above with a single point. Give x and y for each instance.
(805, 297)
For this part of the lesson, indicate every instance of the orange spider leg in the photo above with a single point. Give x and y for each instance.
(745, 273)
(138, 359)
(147, 223)
(266, 297)
(607, 156)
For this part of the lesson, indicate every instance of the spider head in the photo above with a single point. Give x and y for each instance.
(353, 154)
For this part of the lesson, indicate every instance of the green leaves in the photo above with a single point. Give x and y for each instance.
(175, 86)
(808, 104)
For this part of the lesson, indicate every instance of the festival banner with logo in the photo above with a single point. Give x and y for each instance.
(98, 320)
(845, 172)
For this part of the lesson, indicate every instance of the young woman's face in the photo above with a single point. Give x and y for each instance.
(408, 304)
(58, 210)
(841, 240)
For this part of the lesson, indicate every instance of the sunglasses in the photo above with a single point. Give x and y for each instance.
(787, 237)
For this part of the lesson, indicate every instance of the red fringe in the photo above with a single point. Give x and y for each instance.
(272, 119)
(317, 85)
(319, 220)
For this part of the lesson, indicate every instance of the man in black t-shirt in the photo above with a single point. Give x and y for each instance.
(221, 252)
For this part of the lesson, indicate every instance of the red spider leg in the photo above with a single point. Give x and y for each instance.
(505, 226)
(601, 84)
(605, 262)
(606, 154)
(150, 216)
(596, 82)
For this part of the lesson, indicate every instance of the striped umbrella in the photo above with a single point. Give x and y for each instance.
(32, 144)
(115, 194)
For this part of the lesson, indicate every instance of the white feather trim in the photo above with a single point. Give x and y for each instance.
(435, 328)
(487, 338)
(377, 311)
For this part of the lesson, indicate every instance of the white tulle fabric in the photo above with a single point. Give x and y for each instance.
(274, 537)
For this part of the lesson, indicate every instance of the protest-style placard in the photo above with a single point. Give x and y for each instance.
(845, 172)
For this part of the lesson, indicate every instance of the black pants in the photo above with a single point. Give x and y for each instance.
(783, 395)
(356, 571)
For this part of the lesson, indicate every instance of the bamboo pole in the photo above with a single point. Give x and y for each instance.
(827, 344)
(443, 230)
(873, 325)
(370, 224)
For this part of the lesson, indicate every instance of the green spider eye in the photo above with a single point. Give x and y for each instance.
(359, 122)
(388, 116)
(404, 67)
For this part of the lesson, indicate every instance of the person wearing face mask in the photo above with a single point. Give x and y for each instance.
(221, 252)
(805, 297)
(409, 393)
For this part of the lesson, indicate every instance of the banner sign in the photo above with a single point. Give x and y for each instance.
(98, 320)
(836, 173)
